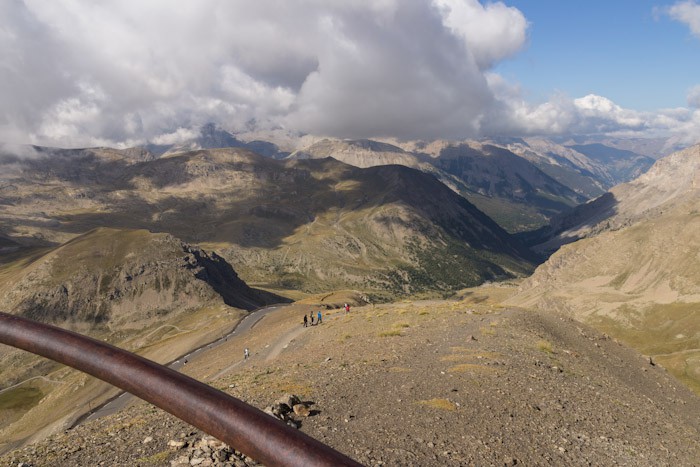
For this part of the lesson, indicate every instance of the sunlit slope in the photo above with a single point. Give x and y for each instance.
(638, 275)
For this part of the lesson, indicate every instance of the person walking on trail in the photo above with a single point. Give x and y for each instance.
(246, 354)
(306, 321)
(347, 308)
(319, 317)
(311, 315)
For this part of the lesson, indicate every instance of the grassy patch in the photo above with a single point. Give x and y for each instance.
(402, 325)
(158, 458)
(391, 333)
(685, 366)
(545, 346)
(138, 421)
(291, 387)
(668, 332)
(20, 398)
(264, 374)
(442, 404)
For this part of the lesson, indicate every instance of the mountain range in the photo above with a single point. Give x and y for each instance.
(309, 224)
(159, 248)
(520, 185)
(519, 182)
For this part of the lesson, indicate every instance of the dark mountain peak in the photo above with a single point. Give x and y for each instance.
(212, 136)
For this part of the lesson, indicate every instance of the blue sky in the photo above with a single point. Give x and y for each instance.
(629, 51)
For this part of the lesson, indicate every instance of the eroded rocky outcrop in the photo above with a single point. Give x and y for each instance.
(111, 276)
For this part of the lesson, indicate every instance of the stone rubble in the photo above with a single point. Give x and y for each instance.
(210, 452)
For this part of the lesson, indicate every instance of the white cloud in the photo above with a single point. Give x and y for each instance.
(491, 33)
(76, 73)
(181, 134)
(513, 115)
(606, 111)
(412, 79)
(687, 12)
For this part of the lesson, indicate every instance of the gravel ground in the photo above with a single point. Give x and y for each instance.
(425, 383)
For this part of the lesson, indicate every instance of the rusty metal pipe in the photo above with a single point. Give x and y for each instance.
(242, 426)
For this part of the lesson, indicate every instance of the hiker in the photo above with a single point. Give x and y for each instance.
(347, 308)
(311, 315)
(246, 354)
(319, 317)
(306, 321)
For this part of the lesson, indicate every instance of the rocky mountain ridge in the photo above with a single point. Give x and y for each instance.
(521, 183)
(146, 292)
(213, 137)
(107, 273)
(555, 176)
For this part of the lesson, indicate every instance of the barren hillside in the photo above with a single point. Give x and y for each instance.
(510, 189)
(636, 276)
(669, 183)
(425, 383)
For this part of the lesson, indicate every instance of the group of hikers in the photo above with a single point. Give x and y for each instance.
(319, 316)
(307, 320)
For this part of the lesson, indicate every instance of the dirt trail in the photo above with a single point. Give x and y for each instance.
(273, 343)
(283, 342)
(31, 379)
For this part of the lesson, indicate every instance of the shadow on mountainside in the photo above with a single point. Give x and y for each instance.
(570, 226)
(239, 197)
(220, 275)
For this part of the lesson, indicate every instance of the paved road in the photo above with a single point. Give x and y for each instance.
(122, 399)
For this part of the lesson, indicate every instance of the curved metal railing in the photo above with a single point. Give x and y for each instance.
(242, 426)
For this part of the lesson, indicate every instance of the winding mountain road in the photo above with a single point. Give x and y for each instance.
(122, 399)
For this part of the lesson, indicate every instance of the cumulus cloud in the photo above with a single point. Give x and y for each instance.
(687, 12)
(513, 115)
(76, 73)
(492, 32)
(400, 74)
